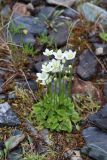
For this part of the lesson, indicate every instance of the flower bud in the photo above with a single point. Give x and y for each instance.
(25, 31)
(55, 79)
(70, 66)
(65, 77)
(66, 71)
(63, 61)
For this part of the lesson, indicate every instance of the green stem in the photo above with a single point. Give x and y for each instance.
(59, 87)
(69, 84)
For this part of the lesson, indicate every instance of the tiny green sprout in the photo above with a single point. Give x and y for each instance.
(28, 50)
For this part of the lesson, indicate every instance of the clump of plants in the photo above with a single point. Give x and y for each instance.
(56, 111)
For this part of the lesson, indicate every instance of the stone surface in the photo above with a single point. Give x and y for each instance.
(60, 32)
(69, 12)
(7, 116)
(92, 12)
(5, 11)
(87, 67)
(21, 38)
(101, 49)
(2, 145)
(96, 143)
(32, 24)
(3, 96)
(1, 83)
(14, 140)
(66, 3)
(37, 66)
(11, 95)
(31, 129)
(21, 9)
(45, 13)
(72, 155)
(17, 154)
(45, 136)
(23, 84)
(42, 149)
(37, 2)
(104, 2)
(100, 118)
(105, 89)
(86, 88)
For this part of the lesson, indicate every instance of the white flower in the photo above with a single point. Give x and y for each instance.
(63, 61)
(42, 76)
(47, 81)
(56, 66)
(69, 55)
(46, 67)
(58, 55)
(48, 52)
(70, 66)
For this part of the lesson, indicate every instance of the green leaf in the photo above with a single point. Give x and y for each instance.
(75, 117)
(37, 109)
(66, 125)
(61, 112)
(54, 116)
(103, 36)
(54, 126)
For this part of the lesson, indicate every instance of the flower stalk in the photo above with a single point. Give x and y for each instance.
(54, 72)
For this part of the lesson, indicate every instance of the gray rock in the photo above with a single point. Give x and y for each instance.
(37, 66)
(42, 149)
(2, 145)
(96, 143)
(17, 154)
(25, 1)
(72, 155)
(105, 89)
(14, 140)
(100, 118)
(69, 12)
(23, 84)
(104, 2)
(66, 3)
(1, 82)
(101, 49)
(11, 95)
(87, 67)
(92, 12)
(37, 2)
(60, 32)
(31, 129)
(3, 96)
(45, 136)
(1, 1)
(20, 23)
(32, 24)
(7, 116)
(5, 11)
(19, 39)
(45, 13)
